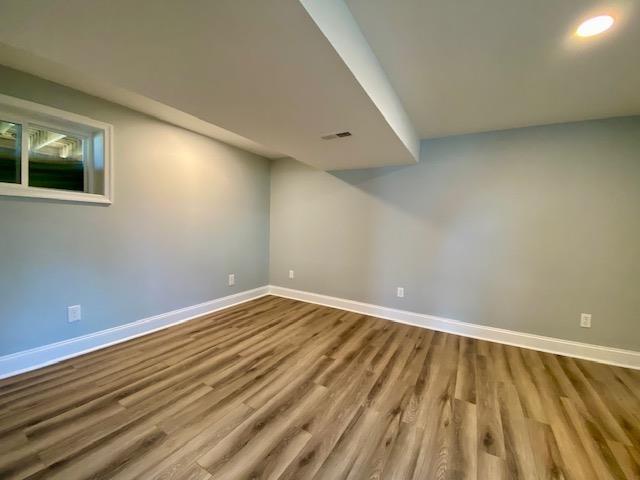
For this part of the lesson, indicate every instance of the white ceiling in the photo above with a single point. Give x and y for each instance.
(64, 75)
(273, 76)
(469, 66)
(265, 71)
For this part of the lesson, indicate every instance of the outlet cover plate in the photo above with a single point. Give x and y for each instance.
(74, 313)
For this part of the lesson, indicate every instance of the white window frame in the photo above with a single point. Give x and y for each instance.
(24, 112)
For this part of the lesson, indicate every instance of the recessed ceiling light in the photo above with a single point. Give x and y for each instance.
(594, 26)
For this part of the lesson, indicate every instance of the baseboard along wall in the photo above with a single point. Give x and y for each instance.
(586, 351)
(34, 358)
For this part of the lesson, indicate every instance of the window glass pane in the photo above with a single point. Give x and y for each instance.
(10, 142)
(56, 160)
(97, 186)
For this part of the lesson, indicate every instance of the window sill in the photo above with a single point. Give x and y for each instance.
(7, 189)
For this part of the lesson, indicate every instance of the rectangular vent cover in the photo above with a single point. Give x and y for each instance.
(336, 135)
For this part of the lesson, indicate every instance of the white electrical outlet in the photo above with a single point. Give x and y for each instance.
(74, 313)
(585, 320)
(400, 292)
(292, 274)
(232, 279)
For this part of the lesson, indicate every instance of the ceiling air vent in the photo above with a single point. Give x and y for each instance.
(336, 135)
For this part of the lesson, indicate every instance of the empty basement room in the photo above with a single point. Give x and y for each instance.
(320, 239)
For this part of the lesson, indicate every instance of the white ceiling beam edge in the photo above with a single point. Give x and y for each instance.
(41, 67)
(281, 73)
(335, 21)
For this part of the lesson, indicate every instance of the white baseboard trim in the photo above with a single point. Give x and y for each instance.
(596, 353)
(31, 359)
(34, 358)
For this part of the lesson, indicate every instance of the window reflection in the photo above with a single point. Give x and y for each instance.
(56, 160)
(10, 141)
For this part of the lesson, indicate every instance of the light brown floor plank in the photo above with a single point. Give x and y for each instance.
(280, 389)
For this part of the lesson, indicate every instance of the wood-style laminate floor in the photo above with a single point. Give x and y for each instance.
(276, 388)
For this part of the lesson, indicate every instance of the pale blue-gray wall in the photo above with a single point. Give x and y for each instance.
(188, 210)
(521, 229)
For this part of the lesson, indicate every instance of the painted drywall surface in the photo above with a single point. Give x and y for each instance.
(187, 211)
(334, 19)
(520, 229)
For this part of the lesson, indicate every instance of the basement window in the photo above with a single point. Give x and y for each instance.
(50, 153)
